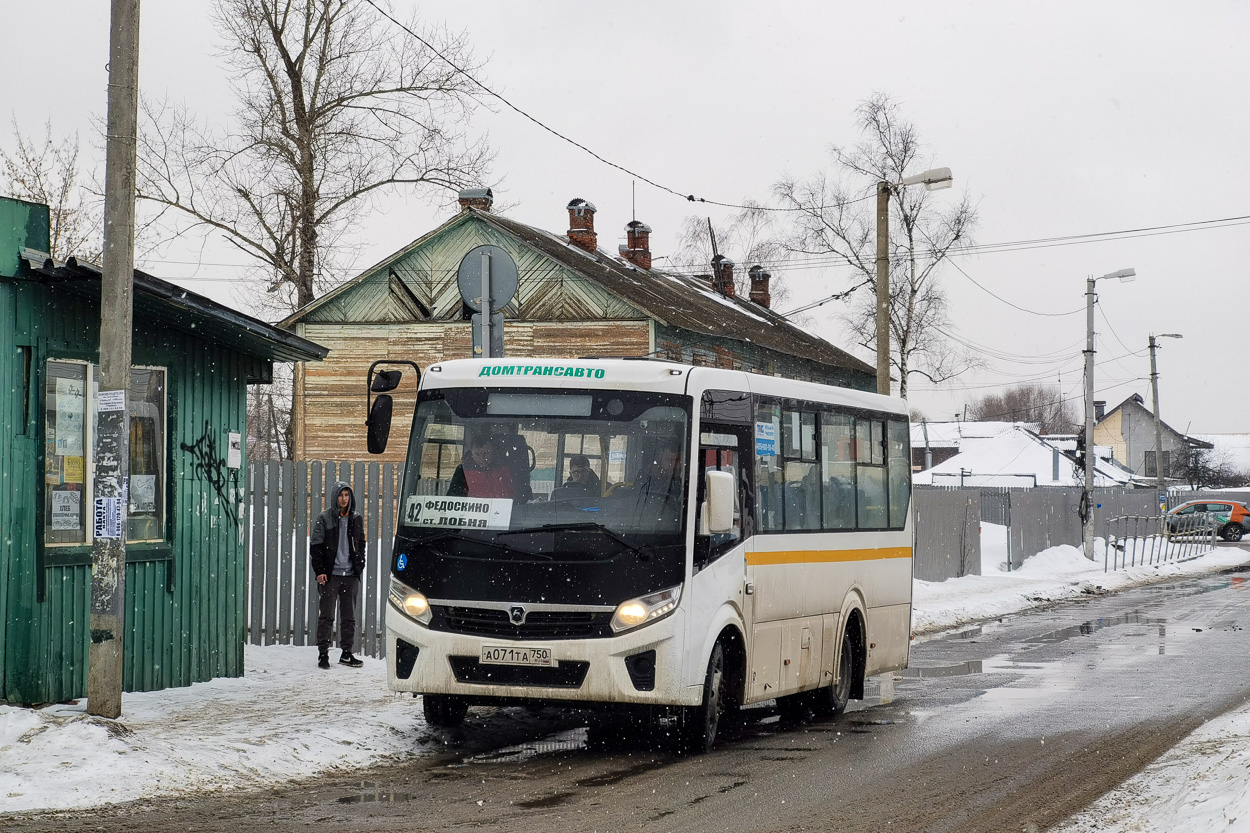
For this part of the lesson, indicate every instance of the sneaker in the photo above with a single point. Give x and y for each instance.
(323, 661)
(349, 660)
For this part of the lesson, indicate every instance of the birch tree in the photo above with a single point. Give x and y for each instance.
(832, 218)
(47, 172)
(335, 106)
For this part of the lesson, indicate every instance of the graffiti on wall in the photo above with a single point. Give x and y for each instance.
(208, 463)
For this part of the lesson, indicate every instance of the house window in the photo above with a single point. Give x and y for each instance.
(1151, 471)
(70, 400)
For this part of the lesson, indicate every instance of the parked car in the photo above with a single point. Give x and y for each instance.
(1229, 517)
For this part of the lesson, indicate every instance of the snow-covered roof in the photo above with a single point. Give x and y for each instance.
(1016, 457)
(951, 434)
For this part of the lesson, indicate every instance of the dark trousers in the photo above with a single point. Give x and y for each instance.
(341, 591)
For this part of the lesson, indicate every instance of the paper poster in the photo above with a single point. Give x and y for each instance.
(71, 400)
(66, 509)
(110, 400)
(73, 469)
(108, 517)
(466, 513)
(143, 493)
(234, 450)
(765, 439)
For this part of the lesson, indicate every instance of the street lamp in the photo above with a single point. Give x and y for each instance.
(1087, 515)
(934, 180)
(1154, 391)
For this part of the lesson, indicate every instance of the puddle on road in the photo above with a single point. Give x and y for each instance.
(372, 793)
(1095, 625)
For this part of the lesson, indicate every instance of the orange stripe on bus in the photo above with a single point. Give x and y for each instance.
(825, 556)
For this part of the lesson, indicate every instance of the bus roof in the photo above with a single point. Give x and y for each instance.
(638, 374)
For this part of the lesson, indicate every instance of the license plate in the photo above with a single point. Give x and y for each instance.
(510, 655)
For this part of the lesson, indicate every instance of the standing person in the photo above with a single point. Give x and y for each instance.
(337, 552)
(484, 472)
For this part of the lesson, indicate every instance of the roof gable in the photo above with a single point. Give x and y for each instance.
(560, 281)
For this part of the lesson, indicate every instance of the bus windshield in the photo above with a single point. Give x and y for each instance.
(518, 471)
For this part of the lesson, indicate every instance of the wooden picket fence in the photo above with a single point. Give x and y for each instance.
(284, 499)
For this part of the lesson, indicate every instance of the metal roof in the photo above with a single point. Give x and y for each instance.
(181, 309)
(673, 300)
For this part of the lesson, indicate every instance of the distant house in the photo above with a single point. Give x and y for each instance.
(574, 299)
(939, 441)
(1020, 457)
(1129, 430)
(186, 557)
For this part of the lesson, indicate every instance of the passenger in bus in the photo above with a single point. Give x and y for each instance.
(484, 472)
(659, 491)
(515, 455)
(582, 480)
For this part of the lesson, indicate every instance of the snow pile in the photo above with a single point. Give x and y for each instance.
(285, 719)
(1053, 575)
(1199, 784)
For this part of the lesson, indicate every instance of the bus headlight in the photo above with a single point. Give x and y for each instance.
(645, 609)
(414, 605)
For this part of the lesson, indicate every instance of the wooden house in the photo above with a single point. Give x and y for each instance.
(186, 562)
(573, 299)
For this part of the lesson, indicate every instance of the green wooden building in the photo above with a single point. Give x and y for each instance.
(186, 569)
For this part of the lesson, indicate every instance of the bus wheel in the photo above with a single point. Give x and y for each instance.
(444, 710)
(831, 700)
(701, 722)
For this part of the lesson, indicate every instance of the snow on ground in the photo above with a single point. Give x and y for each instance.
(1054, 575)
(1199, 784)
(284, 719)
(287, 719)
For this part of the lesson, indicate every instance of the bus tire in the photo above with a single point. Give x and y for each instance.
(831, 701)
(444, 710)
(700, 723)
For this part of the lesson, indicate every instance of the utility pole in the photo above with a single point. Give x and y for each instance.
(112, 435)
(1160, 469)
(1087, 494)
(1087, 517)
(883, 288)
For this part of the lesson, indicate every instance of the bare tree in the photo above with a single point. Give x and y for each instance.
(47, 172)
(833, 217)
(1043, 404)
(335, 106)
(747, 238)
(1207, 468)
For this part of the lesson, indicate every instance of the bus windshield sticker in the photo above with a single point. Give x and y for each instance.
(765, 439)
(461, 512)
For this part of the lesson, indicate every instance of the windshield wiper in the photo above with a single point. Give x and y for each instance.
(642, 551)
(455, 536)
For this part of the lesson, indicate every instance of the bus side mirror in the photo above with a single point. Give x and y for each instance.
(386, 380)
(717, 512)
(379, 423)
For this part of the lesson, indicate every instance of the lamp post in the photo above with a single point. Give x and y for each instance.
(934, 179)
(1154, 392)
(1087, 495)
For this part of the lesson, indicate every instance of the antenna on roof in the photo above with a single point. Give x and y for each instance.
(633, 200)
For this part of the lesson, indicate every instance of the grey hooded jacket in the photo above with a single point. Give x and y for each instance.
(323, 543)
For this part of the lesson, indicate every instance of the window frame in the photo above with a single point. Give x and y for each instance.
(52, 554)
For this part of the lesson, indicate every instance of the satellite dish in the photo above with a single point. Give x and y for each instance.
(503, 278)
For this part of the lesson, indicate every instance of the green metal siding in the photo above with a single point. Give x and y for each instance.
(184, 604)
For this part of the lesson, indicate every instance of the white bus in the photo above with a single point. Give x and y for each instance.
(737, 538)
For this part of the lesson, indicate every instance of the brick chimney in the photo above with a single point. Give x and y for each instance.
(480, 198)
(759, 286)
(723, 276)
(637, 248)
(582, 225)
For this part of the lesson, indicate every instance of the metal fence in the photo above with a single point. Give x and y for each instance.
(284, 501)
(948, 533)
(1154, 539)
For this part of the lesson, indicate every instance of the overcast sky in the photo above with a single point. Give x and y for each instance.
(1058, 119)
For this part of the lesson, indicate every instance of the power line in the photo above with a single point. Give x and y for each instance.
(579, 145)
